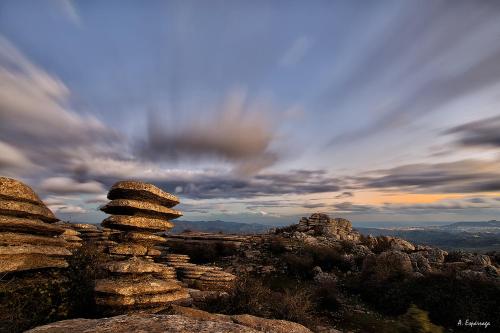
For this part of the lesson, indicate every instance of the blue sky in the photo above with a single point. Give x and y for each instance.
(256, 111)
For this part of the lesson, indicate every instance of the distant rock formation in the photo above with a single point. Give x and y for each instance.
(137, 283)
(322, 224)
(28, 237)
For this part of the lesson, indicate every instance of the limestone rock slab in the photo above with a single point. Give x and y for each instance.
(26, 210)
(136, 207)
(143, 192)
(34, 226)
(124, 222)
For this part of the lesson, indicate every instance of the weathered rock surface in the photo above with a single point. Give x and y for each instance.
(38, 227)
(257, 323)
(143, 192)
(269, 325)
(136, 207)
(26, 210)
(12, 189)
(22, 262)
(125, 222)
(184, 320)
(11, 238)
(388, 264)
(27, 240)
(128, 287)
(143, 323)
(142, 210)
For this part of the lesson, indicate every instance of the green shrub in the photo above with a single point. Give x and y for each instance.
(417, 321)
(29, 299)
(252, 296)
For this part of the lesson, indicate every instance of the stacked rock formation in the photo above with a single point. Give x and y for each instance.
(91, 234)
(137, 284)
(199, 276)
(28, 237)
(71, 236)
(216, 280)
(338, 228)
(175, 260)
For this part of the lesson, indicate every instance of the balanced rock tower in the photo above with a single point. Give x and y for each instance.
(28, 236)
(139, 212)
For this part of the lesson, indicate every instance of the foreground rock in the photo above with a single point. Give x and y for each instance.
(189, 321)
(136, 282)
(28, 239)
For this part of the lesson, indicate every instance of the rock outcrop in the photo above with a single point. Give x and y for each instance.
(137, 283)
(322, 224)
(199, 276)
(185, 320)
(28, 238)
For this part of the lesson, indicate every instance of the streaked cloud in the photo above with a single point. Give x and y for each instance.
(480, 133)
(238, 132)
(64, 185)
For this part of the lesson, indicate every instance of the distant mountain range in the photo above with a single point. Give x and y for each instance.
(472, 236)
(220, 226)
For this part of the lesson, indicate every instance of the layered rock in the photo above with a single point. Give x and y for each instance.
(137, 283)
(185, 320)
(216, 280)
(322, 224)
(28, 238)
(197, 276)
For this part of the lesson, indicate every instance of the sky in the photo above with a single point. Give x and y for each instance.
(256, 111)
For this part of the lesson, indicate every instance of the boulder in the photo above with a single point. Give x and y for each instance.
(481, 260)
(420, 263)
(435, 255)
(391, 264)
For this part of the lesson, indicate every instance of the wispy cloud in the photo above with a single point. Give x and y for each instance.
(480, 133)
(64, 185)
(297, 51)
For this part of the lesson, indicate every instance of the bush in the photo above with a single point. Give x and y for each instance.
(84, 268)
(446, 298)
(252, 296)
(29, 299)
(326, 297)
(33, 298)
(417, 321)
(277, 246)
(299, 265)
